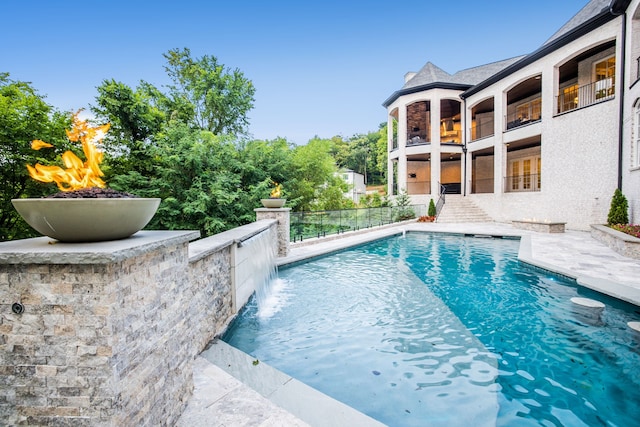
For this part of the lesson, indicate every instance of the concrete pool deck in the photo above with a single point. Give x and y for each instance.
(221, 399)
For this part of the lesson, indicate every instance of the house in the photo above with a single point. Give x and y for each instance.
(549, 135)
(355, 181)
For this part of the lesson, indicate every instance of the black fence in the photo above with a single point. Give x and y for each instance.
(305, 225)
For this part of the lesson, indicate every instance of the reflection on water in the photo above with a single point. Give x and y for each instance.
(446, 331)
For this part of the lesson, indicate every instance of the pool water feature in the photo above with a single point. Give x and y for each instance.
(447, 330)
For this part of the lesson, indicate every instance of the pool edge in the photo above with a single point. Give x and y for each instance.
(301, 400)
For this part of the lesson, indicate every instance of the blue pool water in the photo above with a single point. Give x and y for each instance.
(447, 330)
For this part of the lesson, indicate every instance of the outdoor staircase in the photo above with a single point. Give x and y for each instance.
(460, 209)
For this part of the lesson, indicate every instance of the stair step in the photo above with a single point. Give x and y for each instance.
(460, 209)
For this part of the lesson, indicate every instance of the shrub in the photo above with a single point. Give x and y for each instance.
(432, 208)
(404, 210)
(618, 210)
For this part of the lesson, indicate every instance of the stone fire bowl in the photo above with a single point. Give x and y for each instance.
(273, 202)
(89, 219)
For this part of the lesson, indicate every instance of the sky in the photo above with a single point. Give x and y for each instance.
(320, 68)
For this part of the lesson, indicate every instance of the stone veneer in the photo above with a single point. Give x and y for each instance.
(539, 226)
(622, 243)
(110, 330)
(284, 233)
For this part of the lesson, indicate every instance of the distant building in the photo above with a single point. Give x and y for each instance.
(549, 135)
(355, 181)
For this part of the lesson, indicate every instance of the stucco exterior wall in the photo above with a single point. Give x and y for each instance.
(631, 149)
(579, 148)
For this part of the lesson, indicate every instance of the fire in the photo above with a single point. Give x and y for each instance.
(275, 193)
(78, 174)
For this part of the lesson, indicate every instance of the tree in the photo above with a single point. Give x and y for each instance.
(432, 208)
(25, 116)
(218, 98)
(331, 196)
(618, 212)
(135, 120)
(365, 154)
(196, 174)
(403, 206)
(313, 167)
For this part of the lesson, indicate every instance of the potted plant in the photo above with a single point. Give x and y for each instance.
(274, 200)
(84, 210)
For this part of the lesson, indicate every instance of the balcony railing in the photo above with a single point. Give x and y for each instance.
(586, 95)
(305, 225)
(515, 121)
(451, 137)
(416, 138)
(522, 183)
(481, 130)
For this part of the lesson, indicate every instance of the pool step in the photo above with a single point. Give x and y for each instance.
(458, 209)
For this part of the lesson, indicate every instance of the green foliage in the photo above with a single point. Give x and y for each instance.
(135, 120)
(432, 208)
(197, 176)
(312, 168)
(363, 153)
(403, 204)
(331, 197)
(218, 98)
(373, 200)
(183, 145)
(25, 116)
(618, 212)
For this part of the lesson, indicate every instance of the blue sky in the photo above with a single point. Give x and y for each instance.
(320, 68)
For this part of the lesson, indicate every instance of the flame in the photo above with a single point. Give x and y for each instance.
(78, 174)
(275, 193)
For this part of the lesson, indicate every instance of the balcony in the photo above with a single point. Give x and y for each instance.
(574, 97)
(481, 130)
(524, 114)
(417, 138)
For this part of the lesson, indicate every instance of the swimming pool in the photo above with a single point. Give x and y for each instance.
(447, 330)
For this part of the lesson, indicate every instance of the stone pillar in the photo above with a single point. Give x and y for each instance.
(95, 333)
(283, 216)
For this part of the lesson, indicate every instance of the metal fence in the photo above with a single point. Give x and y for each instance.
(305, 225)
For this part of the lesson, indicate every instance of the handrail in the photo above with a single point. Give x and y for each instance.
(441, 199)
(318, 224)
(586, 95)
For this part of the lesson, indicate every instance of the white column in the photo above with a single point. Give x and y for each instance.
(435, 147)
(499, 150)
(402, 148)
(390, 178)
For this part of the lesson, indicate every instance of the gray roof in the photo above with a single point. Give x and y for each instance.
(592, 9)
(430, 73)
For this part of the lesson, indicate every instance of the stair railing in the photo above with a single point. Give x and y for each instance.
(441, 199)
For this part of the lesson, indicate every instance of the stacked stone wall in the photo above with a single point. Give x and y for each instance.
(109, 340)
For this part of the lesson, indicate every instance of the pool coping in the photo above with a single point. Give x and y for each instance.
(603, 286)
(299, 399)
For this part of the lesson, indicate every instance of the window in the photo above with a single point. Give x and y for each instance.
(525, 174)
(568, 99)
(604, 76)
(529, 110)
